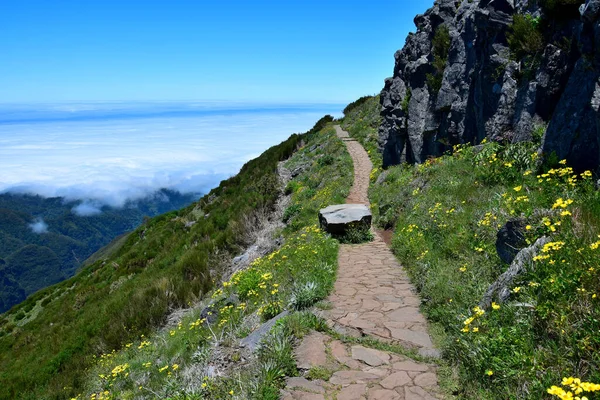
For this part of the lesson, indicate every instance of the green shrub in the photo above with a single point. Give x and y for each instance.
(326, 160)
(440, 47)
(525, 38)
(304, 295)
(357, 235)
(406, 100)
(291, 211)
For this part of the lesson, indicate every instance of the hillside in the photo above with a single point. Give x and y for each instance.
(168, 263)
(45, 240)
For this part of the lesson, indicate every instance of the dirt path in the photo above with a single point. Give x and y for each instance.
(372, 296)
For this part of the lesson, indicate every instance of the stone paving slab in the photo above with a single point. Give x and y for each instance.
(363, 373)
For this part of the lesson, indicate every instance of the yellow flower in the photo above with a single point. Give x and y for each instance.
(475, 329)
(518, 188)
(528, 227)
(517, 289)
(489, 372)
(495, 305)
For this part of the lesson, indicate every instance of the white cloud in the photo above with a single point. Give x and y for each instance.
(39, 226)
(87, 209)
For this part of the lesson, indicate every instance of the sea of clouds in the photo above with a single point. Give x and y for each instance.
(109, 153)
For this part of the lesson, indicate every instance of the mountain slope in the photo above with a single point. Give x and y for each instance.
(62, 238)
(169, 262)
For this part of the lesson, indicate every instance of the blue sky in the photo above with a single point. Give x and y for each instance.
(274, 51)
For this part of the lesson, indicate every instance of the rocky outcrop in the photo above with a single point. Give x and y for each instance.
(488, 92)
(338, 219)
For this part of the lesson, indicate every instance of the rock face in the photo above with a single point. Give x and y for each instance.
(510, 240)
(337, 219)
(487, 93)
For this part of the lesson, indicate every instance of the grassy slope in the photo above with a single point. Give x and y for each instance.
(446, 214)
(171, 362)
(163, 265)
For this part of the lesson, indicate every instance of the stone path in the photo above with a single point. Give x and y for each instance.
(372, 296)
(355, 372)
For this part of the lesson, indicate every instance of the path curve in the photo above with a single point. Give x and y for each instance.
(372, 296)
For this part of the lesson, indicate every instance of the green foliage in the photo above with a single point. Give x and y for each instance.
(440, 47)
(406, 100)
(355, 104)
(525, 38)
(362, 122)
(305, 295)
(291, 212)
(319, 372)
(356, 235)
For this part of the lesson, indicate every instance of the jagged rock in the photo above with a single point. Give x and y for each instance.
(574, 131)
(298, 170)
(590, 10)
(252, 341)
(510, 240)
(500, 289)
(485, 93)
(337, 219)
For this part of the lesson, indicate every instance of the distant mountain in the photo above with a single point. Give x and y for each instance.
(45, 240)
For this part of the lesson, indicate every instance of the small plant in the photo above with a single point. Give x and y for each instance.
(201, 356)
(304, 295)
(291, 212)
(270, 310)
(406, 100)
(326, 160)
(525, 38)
(440, 47)
(318, 372)
(357, 235)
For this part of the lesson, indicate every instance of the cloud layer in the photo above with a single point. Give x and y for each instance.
(76, 153)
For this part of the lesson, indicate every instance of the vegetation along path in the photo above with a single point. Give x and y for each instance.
(373, 298)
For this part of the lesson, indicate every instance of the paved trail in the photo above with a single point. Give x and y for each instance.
(372, 296)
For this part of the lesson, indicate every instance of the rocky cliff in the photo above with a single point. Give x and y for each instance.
(497, 69)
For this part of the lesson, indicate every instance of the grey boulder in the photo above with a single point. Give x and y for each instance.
(337, 219)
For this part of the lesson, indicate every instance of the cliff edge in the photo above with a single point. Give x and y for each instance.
(501, 69)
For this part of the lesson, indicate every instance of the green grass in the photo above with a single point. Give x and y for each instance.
(362, 122)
